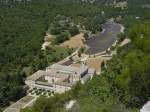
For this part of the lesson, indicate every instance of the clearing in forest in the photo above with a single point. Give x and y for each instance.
(74, 42)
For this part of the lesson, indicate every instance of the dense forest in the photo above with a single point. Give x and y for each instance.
(23, 25)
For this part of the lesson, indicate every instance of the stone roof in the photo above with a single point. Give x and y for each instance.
(63, 73)
(85, 78)
(68, 69)
(54, 73)
(91, 71)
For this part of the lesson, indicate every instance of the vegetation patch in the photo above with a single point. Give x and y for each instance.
(64, 28)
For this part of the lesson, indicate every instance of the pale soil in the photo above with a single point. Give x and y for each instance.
(95, 63)
(48, 37)
(70, 104)
(122, 28)
(125, 41)
(47, 41)
(74, 42)
(45, 44)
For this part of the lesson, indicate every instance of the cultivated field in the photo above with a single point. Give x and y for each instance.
(105, 39)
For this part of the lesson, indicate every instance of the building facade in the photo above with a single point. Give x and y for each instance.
(59, 78)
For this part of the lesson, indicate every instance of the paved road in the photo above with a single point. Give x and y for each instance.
(104, 40)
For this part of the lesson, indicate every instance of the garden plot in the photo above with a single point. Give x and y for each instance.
(39, 92)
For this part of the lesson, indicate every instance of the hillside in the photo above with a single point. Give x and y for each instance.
(119, 88)
(23, 25)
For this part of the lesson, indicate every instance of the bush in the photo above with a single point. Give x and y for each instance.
(74, 30)
(63, 36)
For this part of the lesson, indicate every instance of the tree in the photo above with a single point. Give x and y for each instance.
(40, 104)
(74, 30)
(62, 37)
(86, 36)
(134, 79)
